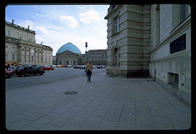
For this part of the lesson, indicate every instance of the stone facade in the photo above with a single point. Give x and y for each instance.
(170, 64)
(128, 40)
(20, 46)
(96, 57)
(152, 40)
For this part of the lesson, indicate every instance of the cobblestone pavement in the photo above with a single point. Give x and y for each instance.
(107, 103)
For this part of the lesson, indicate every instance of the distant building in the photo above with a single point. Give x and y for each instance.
(54, 60)
(68, 54)
(97, 57)
(20, 46)
(151, 40)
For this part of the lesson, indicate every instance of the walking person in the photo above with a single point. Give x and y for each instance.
(89, 68)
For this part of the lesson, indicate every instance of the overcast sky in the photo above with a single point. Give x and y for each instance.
(56, 25)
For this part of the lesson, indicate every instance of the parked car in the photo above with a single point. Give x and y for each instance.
(76, 66)
(47, 67)
(83, 66)
(29, 70)
(36, 69)
(99, 66)
(22, 70)
(64, 66)
(59, 66)
(69, 66)
(9, 72)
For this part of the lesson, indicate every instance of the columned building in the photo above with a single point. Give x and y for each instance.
(151, 40)
(20, 46)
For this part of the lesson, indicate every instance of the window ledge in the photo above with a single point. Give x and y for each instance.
(116, 33)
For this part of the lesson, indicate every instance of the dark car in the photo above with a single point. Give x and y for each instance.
(36, 69)
(29, 70)
(22, 70)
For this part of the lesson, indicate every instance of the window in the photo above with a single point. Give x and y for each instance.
(173, 79)
(31, 58)
(116, 25)
(183, 12)
(8, 32)
(178, 44)
(13, 57)
(115, 56)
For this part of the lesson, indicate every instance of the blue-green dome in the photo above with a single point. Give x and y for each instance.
(70, 47)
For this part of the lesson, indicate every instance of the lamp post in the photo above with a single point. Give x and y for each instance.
(86, 45)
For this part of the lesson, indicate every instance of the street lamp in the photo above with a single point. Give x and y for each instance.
(86, 45)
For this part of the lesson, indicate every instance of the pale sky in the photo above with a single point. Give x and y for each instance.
(56, 25)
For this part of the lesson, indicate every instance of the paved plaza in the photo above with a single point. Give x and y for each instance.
(107, 103)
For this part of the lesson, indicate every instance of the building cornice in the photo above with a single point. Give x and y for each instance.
(111, 11)
(22, 42)
(19, 27)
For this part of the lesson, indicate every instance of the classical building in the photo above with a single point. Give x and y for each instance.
(151, 40)
(97, 57)
(20, 46)
(68, 54)
(128, 40)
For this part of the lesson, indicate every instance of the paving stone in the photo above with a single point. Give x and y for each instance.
(107, 103)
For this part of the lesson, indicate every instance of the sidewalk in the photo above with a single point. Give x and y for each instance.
(107, 103)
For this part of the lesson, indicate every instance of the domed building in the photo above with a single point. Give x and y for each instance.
(68, 54)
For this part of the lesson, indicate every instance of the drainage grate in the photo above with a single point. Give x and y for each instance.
(71, 92)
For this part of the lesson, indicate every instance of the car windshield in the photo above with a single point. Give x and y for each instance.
(20, 67)
(35, 66)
